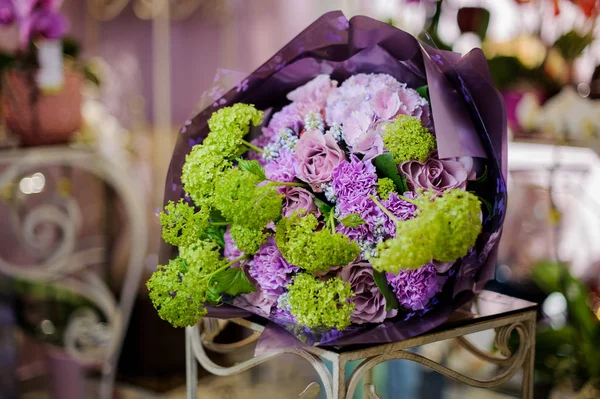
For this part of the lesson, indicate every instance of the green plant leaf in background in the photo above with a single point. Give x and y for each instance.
(232, 281)
(572, 44)
(386, 167)
(391, 302)
(424, 92)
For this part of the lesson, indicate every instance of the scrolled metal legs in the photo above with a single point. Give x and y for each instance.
(335, 384)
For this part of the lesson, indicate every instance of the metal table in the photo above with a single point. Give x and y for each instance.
(489, 310)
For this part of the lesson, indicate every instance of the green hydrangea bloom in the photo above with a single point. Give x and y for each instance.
(181, 224)
(314, 251)
(445, 229)
(247, 240)
(385, 186)
(203, 168)
(178, 293)
(205, 164)
(229, 125)
(407, 139)
(179, 290)
(244, 203)
(320, 304)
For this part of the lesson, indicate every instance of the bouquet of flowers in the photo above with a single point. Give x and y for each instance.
(321, 194)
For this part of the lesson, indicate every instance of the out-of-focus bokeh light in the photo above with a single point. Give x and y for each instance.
(33, 184)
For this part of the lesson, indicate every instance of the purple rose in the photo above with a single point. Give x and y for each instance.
(258, 302)
(317, 154)
(435, 174)
(298, 198)
(368, 301)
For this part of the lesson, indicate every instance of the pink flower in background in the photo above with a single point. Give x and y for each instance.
(297, 198)
(8, 13)
(317, 154)
(314, 92)
(368, 301)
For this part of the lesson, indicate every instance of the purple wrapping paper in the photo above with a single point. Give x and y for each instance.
(469, 118)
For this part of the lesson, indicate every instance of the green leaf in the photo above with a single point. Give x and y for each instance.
(212, 297)
(253, 167)
(424, 92)
(352, 220)
(232, 281)
(483, 177)
(572, 44)
(391, 302)
(216, 216)
(217, 234)
(386, 167)
(323, 206)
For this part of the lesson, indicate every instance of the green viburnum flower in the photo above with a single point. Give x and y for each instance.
(247, 240)
(445, 229)
(407, 139)
(179, 290)
(244, 203)
(181, 224)
(385, 186)
(229, 125)
(320, 304)
(205, 164)
(178, 293)
(315, 251)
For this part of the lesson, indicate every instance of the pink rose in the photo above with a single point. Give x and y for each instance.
(317, 154)
(299, 198)
(438, 175)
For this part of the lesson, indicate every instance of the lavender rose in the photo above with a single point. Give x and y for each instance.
(368, 301)
(438, 175)
(298, 198)
(317, 154)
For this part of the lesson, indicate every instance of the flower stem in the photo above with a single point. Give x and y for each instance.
(225, 267)
(332, 222)
(289, 184)
(403, 198)
(384, 209)
(252, 147)
(220, 223)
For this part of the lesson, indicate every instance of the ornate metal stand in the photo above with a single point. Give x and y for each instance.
(87, 338)
(490, 311)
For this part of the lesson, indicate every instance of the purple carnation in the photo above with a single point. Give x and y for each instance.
(270, 270)
(403, 210)
(283, 168)
(352, 181)
(231, 251)
(374, 217)
(415, 288)
(368, 301)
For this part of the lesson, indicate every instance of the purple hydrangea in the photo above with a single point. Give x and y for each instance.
(270, 270)
(403, 210)
(353, 181)
(282, 169)
(415, 288)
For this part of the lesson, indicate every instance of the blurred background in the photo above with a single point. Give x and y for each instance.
(92, 95)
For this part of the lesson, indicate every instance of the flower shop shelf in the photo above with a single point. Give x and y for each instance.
(488, 311)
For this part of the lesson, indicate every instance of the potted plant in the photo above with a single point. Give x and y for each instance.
(41, 93)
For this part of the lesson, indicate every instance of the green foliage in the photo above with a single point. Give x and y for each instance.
(232, 281)
(572, 44)
(385, 186)
(246, 239)
(407, 139)
(229, 125)
(242, 202)
(391, 301)
(445, 229)
(253, 167)
(315, 251)
(352, 220)
(320, 304)
(203, 168)
(385, 166)
(181, 224)
(424, 92)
